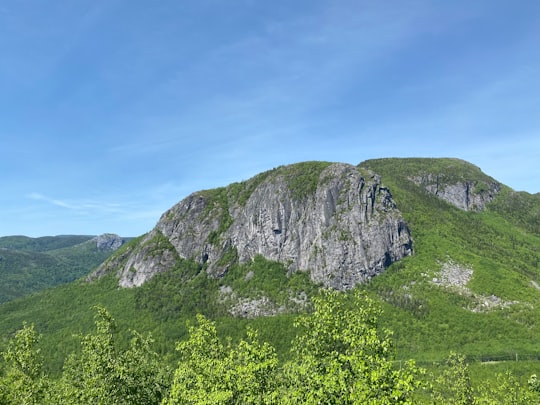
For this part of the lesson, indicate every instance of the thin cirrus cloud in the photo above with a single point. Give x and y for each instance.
(76, 205)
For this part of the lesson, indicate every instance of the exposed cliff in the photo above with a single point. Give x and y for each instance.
(108, 241)
(334, 220)
(464, 194)
(455, 181)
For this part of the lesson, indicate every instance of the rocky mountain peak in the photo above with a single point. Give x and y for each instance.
(334, 220)
(108, 241)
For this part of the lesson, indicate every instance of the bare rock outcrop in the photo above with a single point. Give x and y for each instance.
(108, 241)
(467, 195)
(456, 277)
(334, 220)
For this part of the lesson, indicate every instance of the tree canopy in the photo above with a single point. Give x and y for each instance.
(340, 355)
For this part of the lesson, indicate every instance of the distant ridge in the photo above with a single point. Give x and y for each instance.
(30, 264)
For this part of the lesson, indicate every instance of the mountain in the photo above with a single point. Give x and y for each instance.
(31, 264)
(332, 219)
(451, 255)
(41, 244)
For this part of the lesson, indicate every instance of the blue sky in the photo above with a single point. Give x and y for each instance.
(111, 111)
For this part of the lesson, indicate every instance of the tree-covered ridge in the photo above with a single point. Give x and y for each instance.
(504, 263)
(187, 289)
(517, 207)
(31, 264)
(301, 179)
(450, 170)
(41, 244)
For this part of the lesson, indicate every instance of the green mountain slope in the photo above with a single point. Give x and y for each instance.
(32, 264)
(496, 251)
(471, 285)
(41, 244)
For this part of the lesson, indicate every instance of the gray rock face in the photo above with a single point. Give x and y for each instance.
(344, 231)
(108, 241)
(466, 195)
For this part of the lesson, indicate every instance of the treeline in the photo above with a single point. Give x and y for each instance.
(339, 356)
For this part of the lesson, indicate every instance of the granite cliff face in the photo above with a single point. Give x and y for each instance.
(464, 194)
(108, 241)
(336, 221)
(466, 188)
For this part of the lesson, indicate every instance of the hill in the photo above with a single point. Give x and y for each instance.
(472, 285)
(41, 244)
(31, 264)
(451, 255)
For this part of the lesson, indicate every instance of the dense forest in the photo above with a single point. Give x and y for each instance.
(339, 355)
(29, 264)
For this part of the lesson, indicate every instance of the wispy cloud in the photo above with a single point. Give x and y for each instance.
(77, 205)
(135, 212)
(53, 201)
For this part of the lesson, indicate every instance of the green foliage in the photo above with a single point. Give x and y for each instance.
(157, 245)
(342, 357)
(506, 389)
(454, 385)
(302, 178)
(499, 244)
(534, 384)
(428, 320)
(61, 312)
(240, 192)
(23, 382)
(261, 277)
(32, 264)
(211, 373)
(42, 244)
(103, 374)
(339, 357)
(447, 170)
(89, 377)
(521, 208)
(217, 206)
(185, 289)
(228, 259)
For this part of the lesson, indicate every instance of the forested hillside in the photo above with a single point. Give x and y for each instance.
(468, 293)
(31, 264)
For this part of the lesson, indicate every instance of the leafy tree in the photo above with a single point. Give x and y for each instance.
(23, 382)
(212, 373)
(90, 377)
(506, 390)
(254, 370)
(454, 386)
(201, 374)
(342, 357)
(143, 378)
(103, 374)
